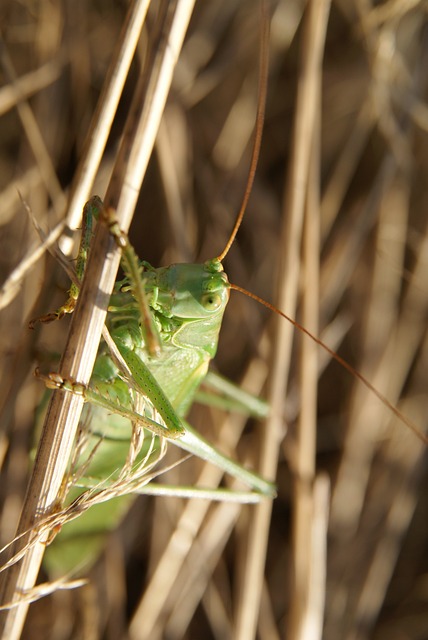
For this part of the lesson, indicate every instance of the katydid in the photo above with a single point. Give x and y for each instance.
(179, 308)
(164, 326)
(186, 303)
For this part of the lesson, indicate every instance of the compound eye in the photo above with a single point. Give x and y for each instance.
(211, 301)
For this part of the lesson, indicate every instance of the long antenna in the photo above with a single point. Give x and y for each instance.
(340, 360)
(258, 130)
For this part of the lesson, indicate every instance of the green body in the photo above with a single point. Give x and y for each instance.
(187, 302)
(165, 326)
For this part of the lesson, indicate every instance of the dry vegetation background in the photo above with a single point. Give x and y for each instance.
(372, 185)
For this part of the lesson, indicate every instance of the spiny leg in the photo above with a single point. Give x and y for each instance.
(187, 439)
(55, 381)
(89, 213)
(133, 269)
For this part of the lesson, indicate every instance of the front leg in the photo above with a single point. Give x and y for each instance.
(90, 211)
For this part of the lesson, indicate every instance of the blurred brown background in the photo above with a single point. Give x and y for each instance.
(373, 293)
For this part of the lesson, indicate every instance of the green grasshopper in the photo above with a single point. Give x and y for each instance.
(163, 329)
